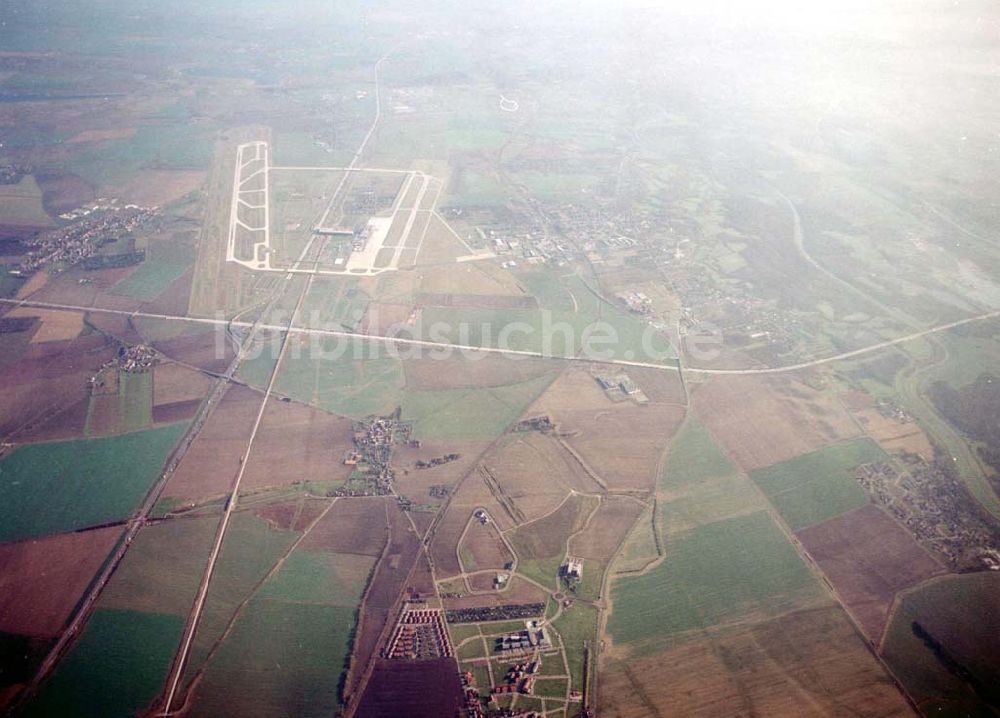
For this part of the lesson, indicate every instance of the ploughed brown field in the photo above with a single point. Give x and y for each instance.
(199, 350)
(620, 442)
(760, 421)
(213, 459)
(66, 288)
(394, 575)
(482, 547)
(416, 483)
(868, 558)
(353, 525)
(537, 472)
(42, 580)
(415, 689)
(546, 537)
(806, 663)
(607, 529)
(56, 326)
(173, 383)
(294, 515)
(444, 546)
(381, 317)
(296, 442)
(49, 378)
(893, 435)
(156, 187)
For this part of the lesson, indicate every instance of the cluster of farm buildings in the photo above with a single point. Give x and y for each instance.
(374, 440)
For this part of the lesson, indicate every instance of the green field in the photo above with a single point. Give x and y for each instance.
(335, 300)
(971, 351)
(21, 203)
(288, 649)
(335, 579)
(577, 626)
(550, 292)
(163, 567)
(460, 631)
(551, 688)
(149, 280)
(178, 145)
(339, 384)
(708, 501)
(712, 574)
(699, 484)
(641, 546)
(134, 405)
(67, 485)
(471, 650)
(258, 364)
(283, 658)
(694, 456)
(115, 670)
(541, 545)
(961, 615)
(819, 485)
(250, 550)
(136, 396)
(470, 414)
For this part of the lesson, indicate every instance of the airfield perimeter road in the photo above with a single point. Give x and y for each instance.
(440, 346)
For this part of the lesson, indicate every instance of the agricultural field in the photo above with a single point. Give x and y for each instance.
(21, 204)
(619, 444)
(715, 574)
(732, 273)
(577, 630)
(69, 485)
(808, 662)
(123, 408)
(819, 485)
(307, 606)
(759, 422)
(868, 558)
(941, 642)
(482, 548)
(250, 552)
(469, 414)
(150, 280)
(541, 544)
(41, 580)
(315, 374)
(116, 668)
(55, 326)
(160, 572)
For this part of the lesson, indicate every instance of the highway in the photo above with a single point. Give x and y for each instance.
(440, 346)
